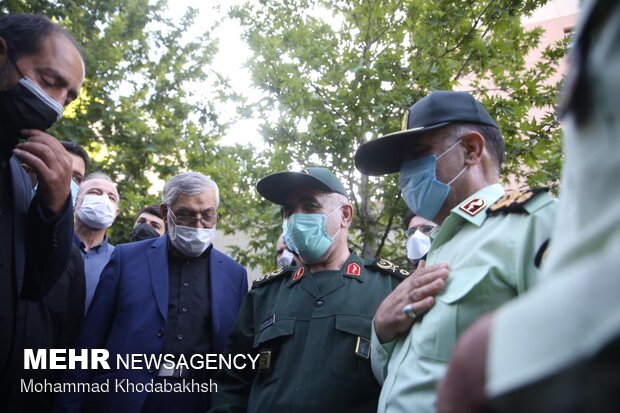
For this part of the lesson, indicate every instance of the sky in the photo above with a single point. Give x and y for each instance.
(230, 60)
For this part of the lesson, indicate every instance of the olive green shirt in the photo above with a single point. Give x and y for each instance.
(314, 344)
(491, 260)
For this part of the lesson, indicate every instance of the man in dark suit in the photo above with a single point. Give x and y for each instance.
(41, 71)
(174, 294)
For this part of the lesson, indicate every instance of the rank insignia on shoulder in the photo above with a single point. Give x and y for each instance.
(270, 276)
(473, 206)
(362, 348)
(513, 202)
(387, 267)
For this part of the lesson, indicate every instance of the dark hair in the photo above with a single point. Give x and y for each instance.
(24, 33)
(494, 141)
(492, 138)
(410, 215)
(153, 210)
(76, 149)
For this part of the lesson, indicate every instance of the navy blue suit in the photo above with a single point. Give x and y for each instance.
(128, 315)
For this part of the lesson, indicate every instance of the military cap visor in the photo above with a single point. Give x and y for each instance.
(441, 108)
(277, 187)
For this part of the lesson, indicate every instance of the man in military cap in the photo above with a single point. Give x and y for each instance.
(565, 358)
(449, 159)
(310, 324)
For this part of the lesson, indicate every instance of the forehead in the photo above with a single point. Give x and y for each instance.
(78, 163)
(58, 53)
(198, 202)
(149, 217)
(101, 184)
(417, 221)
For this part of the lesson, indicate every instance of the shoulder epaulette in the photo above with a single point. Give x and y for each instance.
(271, 276)
(388, 267)
(513, 202)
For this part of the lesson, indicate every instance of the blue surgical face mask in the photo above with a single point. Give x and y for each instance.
(423, 193)
(307, 235)
(74, 192)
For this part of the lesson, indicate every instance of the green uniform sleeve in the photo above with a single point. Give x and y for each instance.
(380, 355)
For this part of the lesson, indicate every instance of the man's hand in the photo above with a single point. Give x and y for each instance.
(417, 291)
(47, 158)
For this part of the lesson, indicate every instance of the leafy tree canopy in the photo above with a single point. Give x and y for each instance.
(342, 72)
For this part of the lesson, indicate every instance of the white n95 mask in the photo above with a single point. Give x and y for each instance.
(418, 245)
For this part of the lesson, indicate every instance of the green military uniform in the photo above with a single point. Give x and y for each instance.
(558, 348)
(312, 332)
(490, 242)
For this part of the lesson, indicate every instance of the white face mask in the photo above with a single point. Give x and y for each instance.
(286, 258)
(418, 245)
(190, 241)
(97, 211)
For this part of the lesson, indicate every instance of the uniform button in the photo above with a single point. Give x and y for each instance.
(184, 309)
(185, 284)
(319, 303)
(160, 332)
(180, 336)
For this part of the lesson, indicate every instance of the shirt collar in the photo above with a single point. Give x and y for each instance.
(352, 268)
(473, 208)
(78, 242)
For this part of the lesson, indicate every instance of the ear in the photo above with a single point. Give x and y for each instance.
(347, 214)
(164, 212)
(474, 146)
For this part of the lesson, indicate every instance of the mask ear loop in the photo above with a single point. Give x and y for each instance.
(324, 223)
(450, 148)
(462, 170)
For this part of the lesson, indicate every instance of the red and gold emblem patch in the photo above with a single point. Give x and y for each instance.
(299, 273)
(353, 269)
(473, 206)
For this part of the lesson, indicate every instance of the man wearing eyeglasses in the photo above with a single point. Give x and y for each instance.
(417, 235)
(449, 157)
(172, 295)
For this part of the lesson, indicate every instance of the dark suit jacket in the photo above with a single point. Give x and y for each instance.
(41, 247)
(129, 313)
(42, 241)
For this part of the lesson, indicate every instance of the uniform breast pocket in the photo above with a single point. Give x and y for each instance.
(270, 345)
(350, 350)
(457, 306)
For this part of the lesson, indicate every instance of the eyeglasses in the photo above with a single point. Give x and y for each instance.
(424, 229)
(207, 220)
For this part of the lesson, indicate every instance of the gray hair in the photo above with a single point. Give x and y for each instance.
(188, 184)
(98, 175)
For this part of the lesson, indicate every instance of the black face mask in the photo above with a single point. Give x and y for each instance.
(25, 106)
(143, 231)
